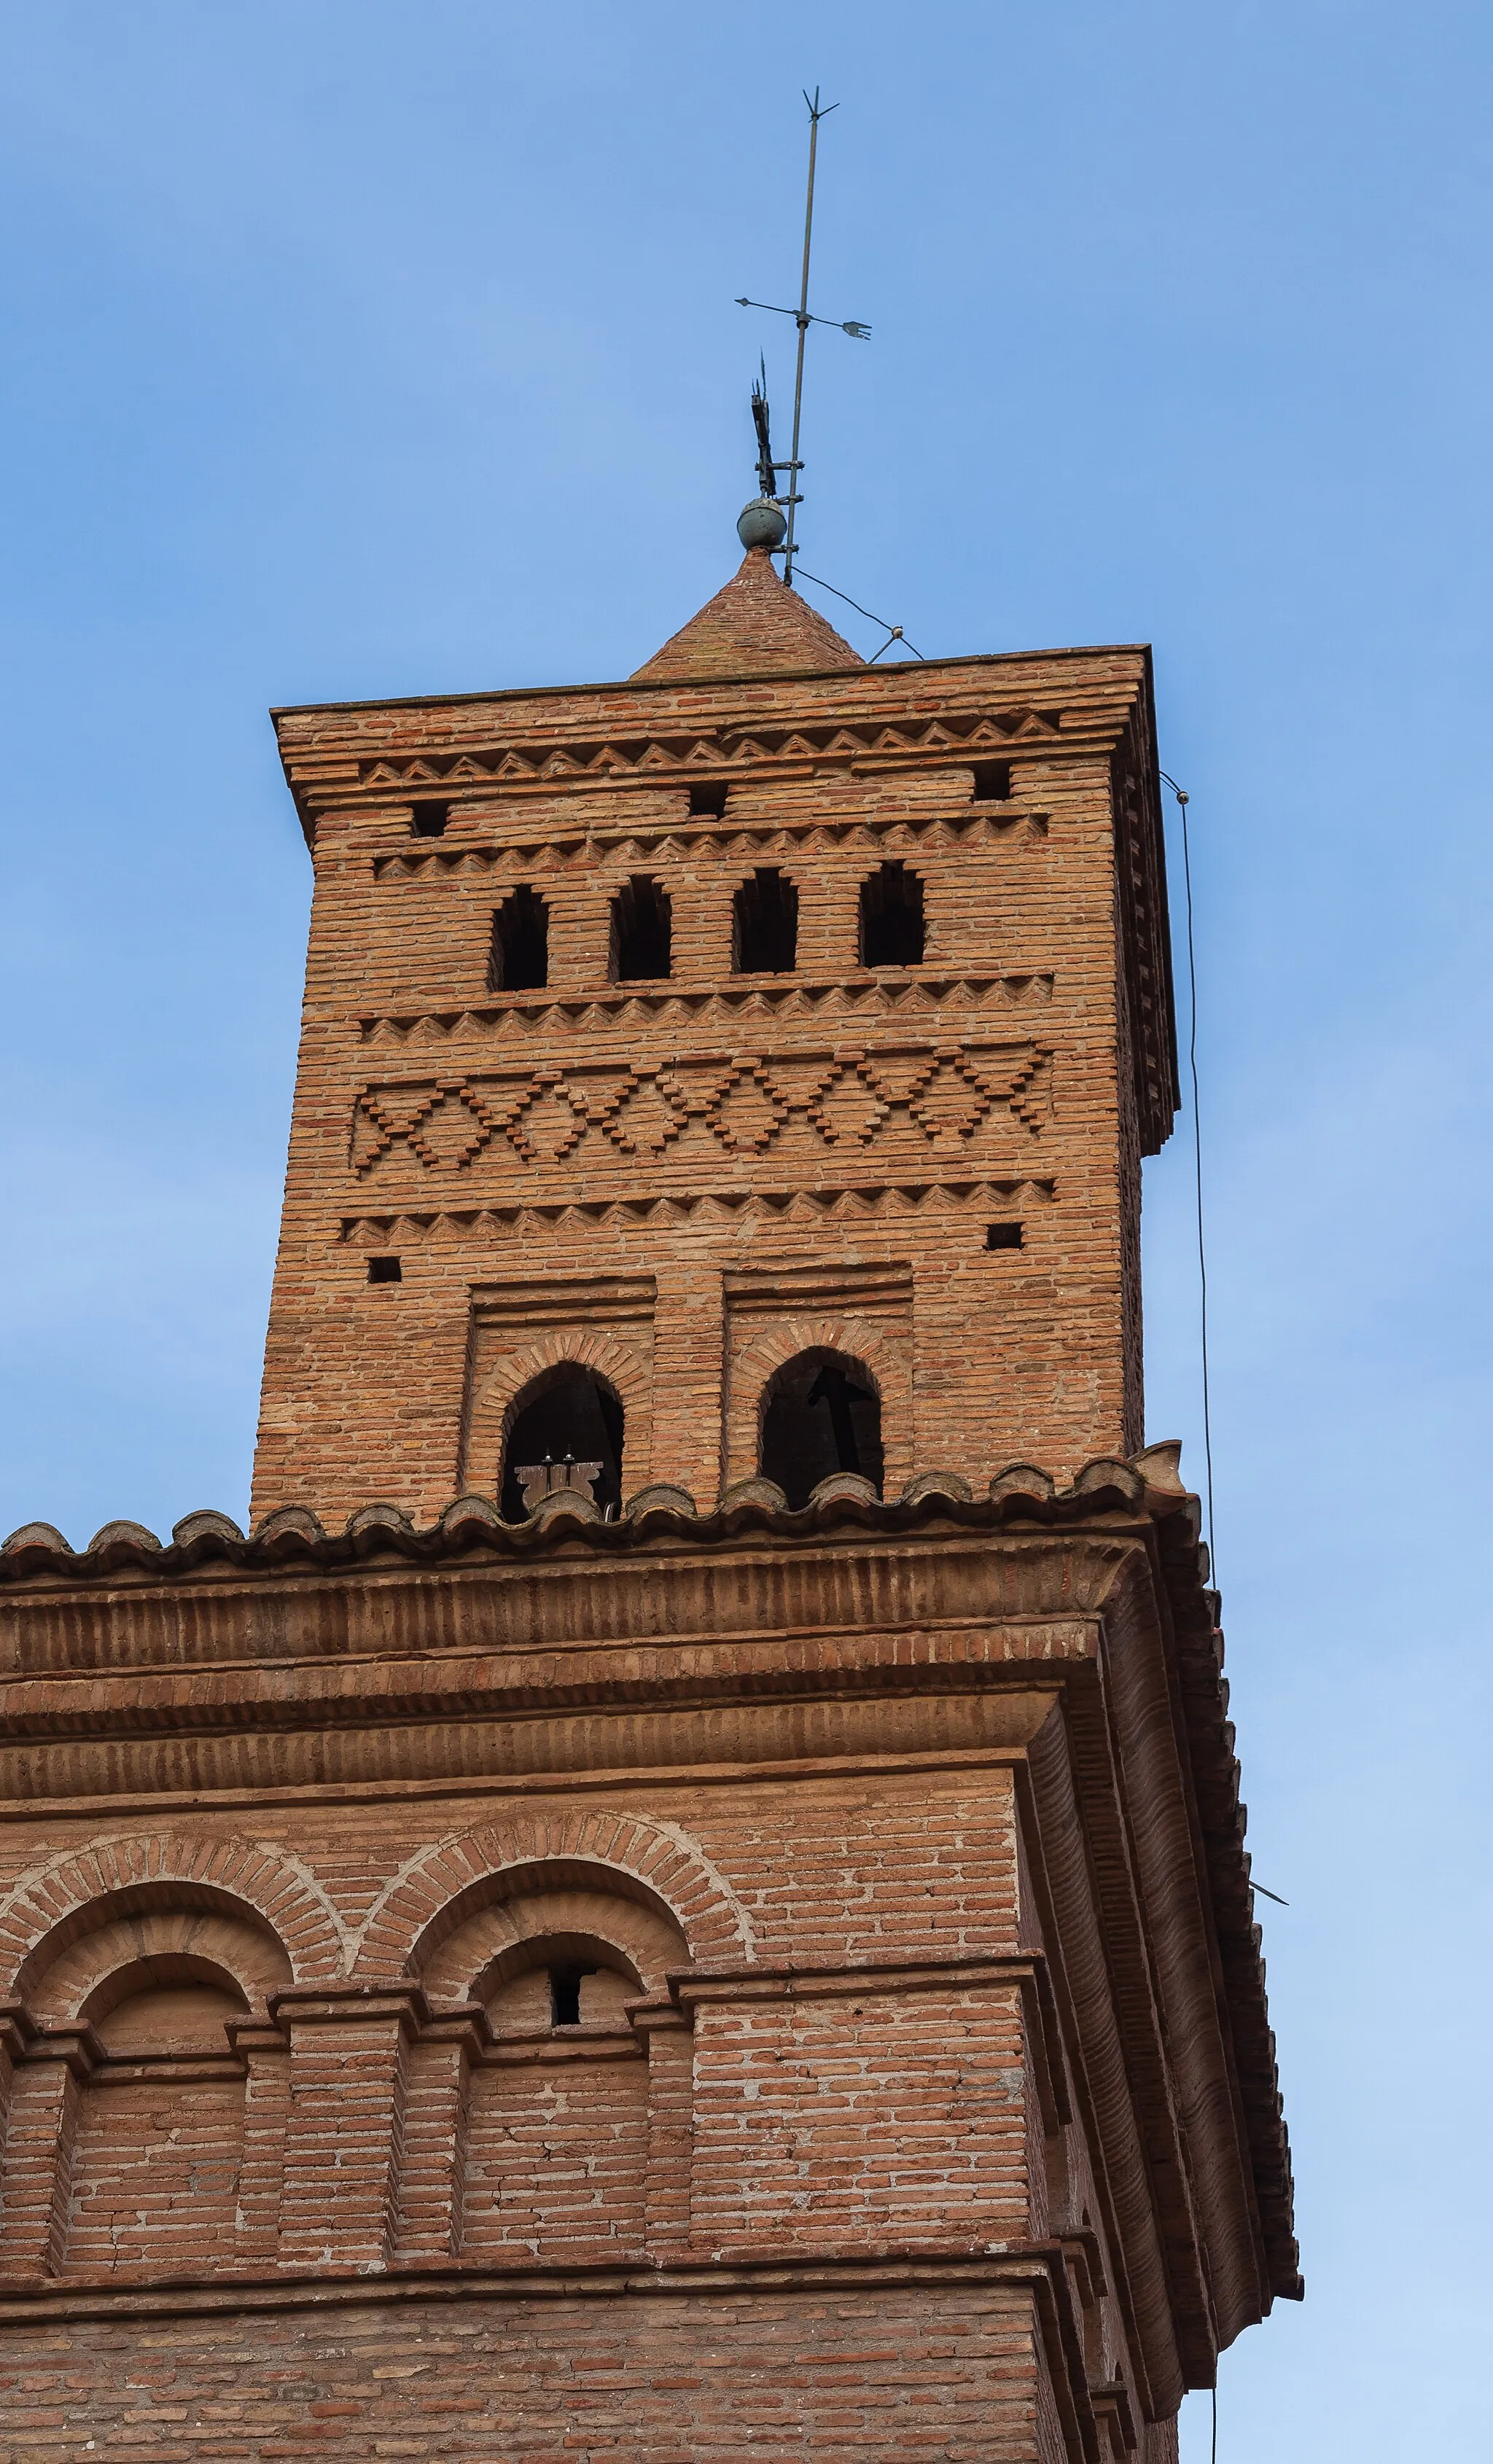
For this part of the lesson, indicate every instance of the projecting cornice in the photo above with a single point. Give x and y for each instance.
(476, 1657)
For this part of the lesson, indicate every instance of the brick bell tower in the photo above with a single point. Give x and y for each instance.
(736, 1930)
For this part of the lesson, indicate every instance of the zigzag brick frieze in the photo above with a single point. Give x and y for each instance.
(730, 844)
(856, 1203)
(658, 757)
(911, 996)
(939, 1093)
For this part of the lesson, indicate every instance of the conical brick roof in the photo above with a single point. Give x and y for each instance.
(755, 627)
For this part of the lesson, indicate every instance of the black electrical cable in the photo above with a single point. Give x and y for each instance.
(1180, 793)
(894, 632)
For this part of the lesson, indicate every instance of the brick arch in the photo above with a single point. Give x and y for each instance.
(83, 1888)
(436, 1891)
(507, 1922)
(870, 1345)
(148, 1940)
(620, 1363)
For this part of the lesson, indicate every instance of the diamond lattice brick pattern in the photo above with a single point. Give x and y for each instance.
(940, 1098)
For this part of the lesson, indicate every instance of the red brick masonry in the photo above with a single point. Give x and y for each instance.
(910, 1836)
(715, 1979)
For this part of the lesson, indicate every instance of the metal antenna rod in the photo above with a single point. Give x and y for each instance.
(816, 115)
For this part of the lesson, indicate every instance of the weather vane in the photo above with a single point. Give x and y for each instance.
(764, 520)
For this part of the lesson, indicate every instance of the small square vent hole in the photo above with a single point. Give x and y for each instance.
(1002, 1236)
(385, 1270)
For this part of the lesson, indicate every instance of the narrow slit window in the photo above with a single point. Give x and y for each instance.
(893, 929)
(765, 937)
(565, 1996)
(519, 958)
(641, 931)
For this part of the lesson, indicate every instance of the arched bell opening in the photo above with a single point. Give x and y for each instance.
(820, 1415)
(565, 1431)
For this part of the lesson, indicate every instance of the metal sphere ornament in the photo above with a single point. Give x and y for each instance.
(762, 524)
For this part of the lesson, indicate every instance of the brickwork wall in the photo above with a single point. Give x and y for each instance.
(154, 2175)
(845, 2374)
(556, 2160)
(845, 2116)
(859, 1982)
(816, 2070)
(589, 1171)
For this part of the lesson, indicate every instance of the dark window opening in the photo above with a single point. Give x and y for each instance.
(567, 1423)
(992, 781)
(385, 1270)
(565, 1995)
(822, 1415)
(519, 958)
(708, 797)
(642, 917)
(427, 821)
(892, 931)
(1002, 1236)
(765, 937)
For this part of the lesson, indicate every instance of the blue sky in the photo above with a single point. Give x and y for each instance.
(365, 349)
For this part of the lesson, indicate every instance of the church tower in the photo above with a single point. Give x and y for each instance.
(684, 1886)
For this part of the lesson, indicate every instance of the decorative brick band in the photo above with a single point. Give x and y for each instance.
(415, 1222)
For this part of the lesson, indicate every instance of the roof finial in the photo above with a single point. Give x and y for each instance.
(762, 524)
(802, 319)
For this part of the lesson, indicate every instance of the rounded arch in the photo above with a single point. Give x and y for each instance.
(155, 1938)
(561, 1910)
(164, 2004)
(570, 1411)
(820, 1414)
(79, 1890)
(875, 1349)
(624, 1366)
(436, 1891)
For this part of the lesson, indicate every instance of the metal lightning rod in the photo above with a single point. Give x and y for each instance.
(804, 320)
